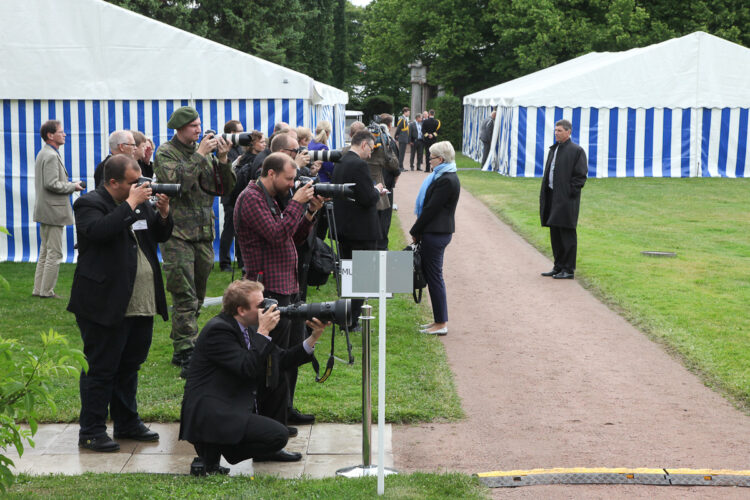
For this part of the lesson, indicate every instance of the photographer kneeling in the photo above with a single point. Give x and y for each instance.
(233, 357)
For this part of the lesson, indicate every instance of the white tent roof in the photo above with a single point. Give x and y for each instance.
(90, 49)
(697, 70)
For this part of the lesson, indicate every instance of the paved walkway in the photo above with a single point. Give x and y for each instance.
(325, 448)
(550, 377)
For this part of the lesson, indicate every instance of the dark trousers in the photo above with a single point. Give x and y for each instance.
(401, 153)
(347, 247)
(262, 436)
(384, 216)
(485, 152)
(416, 149)
(225, 242)
(273, 402)
(114, 354)
(564, 242)
(433, 250)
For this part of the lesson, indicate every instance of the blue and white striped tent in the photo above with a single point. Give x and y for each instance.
(104, 68)
(674, 109)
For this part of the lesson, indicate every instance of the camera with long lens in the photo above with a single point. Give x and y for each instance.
(337, 311)
(237, 139)
(325, 155)
(327, 190)
(170, 190)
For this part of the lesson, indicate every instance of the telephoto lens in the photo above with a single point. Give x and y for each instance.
(323, 155)
(337, 311)
(170, 190)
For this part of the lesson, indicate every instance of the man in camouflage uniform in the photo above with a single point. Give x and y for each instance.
(189, 254)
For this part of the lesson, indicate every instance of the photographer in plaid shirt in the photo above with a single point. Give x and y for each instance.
(267, 237)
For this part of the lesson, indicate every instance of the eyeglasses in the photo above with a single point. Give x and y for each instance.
(295, 151)
(132, 145)
(435, 157)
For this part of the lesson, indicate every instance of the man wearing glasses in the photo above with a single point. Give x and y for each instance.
(120, 142)
(117, 290)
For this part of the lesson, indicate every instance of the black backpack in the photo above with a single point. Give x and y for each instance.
(322, 263)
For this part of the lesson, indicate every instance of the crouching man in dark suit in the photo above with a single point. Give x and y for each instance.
(234, 358)
(117, 290)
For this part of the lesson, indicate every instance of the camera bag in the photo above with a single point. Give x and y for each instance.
(322, 263)
(419, 280)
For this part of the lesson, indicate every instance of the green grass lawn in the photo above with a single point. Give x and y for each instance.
(127, 486)
(419, 383)
(697, 303)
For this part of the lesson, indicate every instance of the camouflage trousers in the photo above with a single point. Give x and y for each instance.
(187, 265)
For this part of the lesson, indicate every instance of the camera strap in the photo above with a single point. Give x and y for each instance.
(331, 357)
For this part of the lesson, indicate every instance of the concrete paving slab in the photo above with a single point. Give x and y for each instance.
(320, 466)
(159, 464)
(344, 439)
(71, 465)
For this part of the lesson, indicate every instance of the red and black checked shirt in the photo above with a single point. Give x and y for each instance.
(267, 241)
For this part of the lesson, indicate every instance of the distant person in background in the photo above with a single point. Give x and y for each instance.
(320, 143)
(146, 164)
(485, 135)
(279, 128)
(430, 128)
(304, 136)
(560, 198)
(416, 140)
(121, 142)
(384, 168)
(52, 207)
(402, 136)
(142, 148)
(434, 228)
(227, 230)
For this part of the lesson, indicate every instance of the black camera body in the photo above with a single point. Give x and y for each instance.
(170, 190)
(338, 311)
(327, 190)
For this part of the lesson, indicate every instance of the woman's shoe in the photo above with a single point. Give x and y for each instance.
(426, 325)
(440, 331)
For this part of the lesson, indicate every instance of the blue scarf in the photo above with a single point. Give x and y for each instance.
(436, 172)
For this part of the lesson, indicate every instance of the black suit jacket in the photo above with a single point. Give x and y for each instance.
(439, 207)
(430, 126)
(223, 377)
(108, 256)
(571, 168)
(413, 132)
(358, 219)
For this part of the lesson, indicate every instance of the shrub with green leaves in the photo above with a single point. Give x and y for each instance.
(25, 378)
(449, 110)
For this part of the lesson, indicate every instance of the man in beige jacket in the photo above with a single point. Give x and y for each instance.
(52, 209)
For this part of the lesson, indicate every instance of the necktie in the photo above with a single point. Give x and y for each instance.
(247, 337)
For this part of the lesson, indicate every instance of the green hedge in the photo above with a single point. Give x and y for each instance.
(449, 111)
(375, 105)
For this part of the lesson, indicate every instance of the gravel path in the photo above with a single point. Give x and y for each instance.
(550, 377)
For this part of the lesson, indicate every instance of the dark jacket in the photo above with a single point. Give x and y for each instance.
(108, 256)
(485, 131)
(99, 171)
(439, 209)
(257, 166)
(570, 175)
(431, 126)
(358, 219)
(414, 132)
(223, 377)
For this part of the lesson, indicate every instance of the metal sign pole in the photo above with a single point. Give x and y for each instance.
(381, 374)
(366, 317)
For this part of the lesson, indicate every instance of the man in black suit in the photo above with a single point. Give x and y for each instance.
(417, 142)
(233, 358)
(560, 198)
(430, 128)
(357, 220)
(117, 290)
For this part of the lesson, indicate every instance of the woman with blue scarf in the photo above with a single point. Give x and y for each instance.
(434, 228)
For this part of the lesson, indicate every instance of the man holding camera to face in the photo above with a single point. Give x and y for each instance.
(268, 236)
(234, 357)
(189, 253)
(117, 290)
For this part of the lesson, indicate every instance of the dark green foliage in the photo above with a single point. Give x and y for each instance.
(374, 105)
(449, 110)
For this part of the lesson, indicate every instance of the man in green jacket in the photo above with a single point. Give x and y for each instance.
(189, 254)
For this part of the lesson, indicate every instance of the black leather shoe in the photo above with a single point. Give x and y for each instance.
(217, 469)
(293, 416)
(179, 357)
(280, 456)
(102, 443)
(563, 275)
(551, 273)
(142, 433)
(292, 431)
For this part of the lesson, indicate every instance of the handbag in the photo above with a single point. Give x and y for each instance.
(419, 281)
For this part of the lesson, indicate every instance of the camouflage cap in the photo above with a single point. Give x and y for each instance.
(181, 117)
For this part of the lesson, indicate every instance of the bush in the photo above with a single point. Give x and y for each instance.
(376, 104)
(24, 383)
(449, 111)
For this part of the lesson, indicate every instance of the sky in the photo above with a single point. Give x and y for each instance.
(360, 3)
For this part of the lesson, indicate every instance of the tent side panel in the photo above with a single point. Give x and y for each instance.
(723, 142)
(88, 125)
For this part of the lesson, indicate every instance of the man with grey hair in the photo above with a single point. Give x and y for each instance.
(560, 197)
(120, 142)
(485, 135)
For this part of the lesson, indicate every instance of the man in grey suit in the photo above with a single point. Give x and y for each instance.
(52, 209)
(485, 135)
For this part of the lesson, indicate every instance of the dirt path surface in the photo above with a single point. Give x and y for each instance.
(550, 377)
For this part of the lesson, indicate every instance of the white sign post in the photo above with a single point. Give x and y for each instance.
(379, 274)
